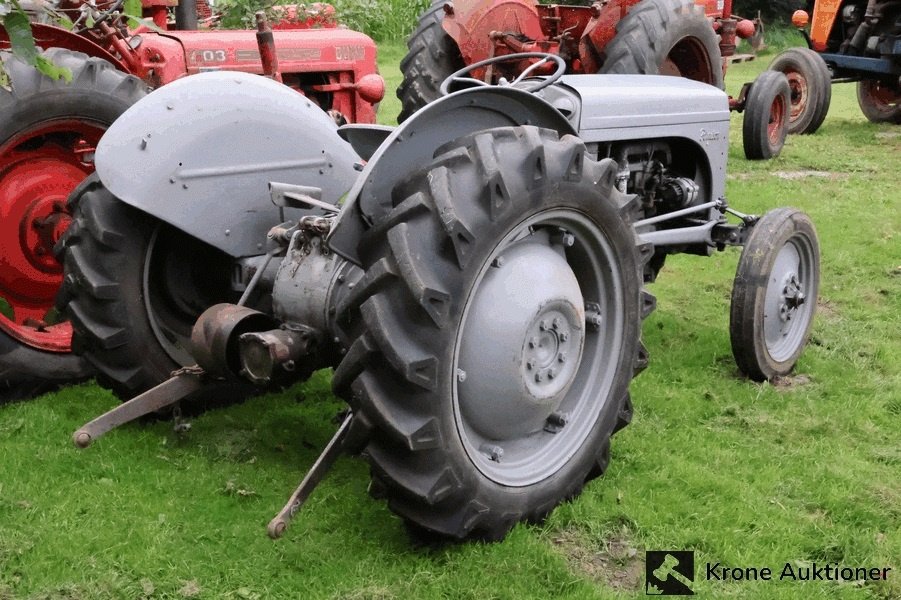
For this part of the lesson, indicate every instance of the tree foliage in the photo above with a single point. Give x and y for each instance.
(18, 28)
(772, 11)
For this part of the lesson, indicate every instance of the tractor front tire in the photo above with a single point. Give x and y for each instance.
(811, 88)
(133, 289)
(47, 131)
(774, 294)
(432, 56)
(765, 123)
(665, 37)
(880, 102)
(495, 332)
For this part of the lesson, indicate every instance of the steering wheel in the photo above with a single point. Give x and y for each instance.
(458, 76)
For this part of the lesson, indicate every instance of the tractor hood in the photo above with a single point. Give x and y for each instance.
(200, 152)
(626, 101)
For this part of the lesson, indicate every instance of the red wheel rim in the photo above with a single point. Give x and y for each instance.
(800, 94)
(777, 121)
(882, 97)
(39, 167)
(689, 59)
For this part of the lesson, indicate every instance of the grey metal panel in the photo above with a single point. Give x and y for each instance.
(623, 101)
(412, 145)
(199, 154)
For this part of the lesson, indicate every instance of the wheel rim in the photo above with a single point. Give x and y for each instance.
(777, 120)
(181, 278)
(800, 94)
(787, 312)
(39, 167)
(688, 59)
(529, 303)
(880, 97)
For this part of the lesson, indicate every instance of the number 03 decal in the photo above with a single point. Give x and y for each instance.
(208, 56)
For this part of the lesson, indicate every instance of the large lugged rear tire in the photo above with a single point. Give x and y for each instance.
(133, 289)
(495, 332)
(665, 37)
(432, 56)
(811, 88)
(48, 129)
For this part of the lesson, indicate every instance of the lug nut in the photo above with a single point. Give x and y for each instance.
(530, 365)
(561, 358)
(564, 336)
(551, 373)
(533, 342)
(543, 325)
(539, 377)
(556, 323)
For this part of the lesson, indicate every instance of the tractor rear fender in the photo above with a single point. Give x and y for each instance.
(51, 36)
(200, 152)
(413, 145)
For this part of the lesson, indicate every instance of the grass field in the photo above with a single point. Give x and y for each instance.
(744, 474)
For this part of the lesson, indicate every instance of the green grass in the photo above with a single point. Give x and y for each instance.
(745, 474)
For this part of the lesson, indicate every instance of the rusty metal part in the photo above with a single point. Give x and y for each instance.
(266, 43)
(264, 353)
(330, 454)
(183, 383)
(214, 338)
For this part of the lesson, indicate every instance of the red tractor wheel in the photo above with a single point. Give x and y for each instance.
(48, 131)
(811, 88)
(662, 37)
(766, 116)
(879, 101)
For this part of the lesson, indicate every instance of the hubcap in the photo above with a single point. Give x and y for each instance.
(800, 95)
(39, 167)
(786, 309)
(534, 364)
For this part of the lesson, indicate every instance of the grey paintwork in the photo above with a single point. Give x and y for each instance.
(199, 154)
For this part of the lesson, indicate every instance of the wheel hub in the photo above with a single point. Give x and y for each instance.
(786, 307)
(33, 217)
(547, 362)
(522, 342)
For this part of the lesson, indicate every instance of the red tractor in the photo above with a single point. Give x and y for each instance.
(685, 38)
(48, 131)
(849, 41)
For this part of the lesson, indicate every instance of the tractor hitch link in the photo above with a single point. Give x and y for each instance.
(183, 382)
(342, 441)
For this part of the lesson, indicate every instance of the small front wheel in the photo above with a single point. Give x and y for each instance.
(766, 116)
(811, 88)
(774, 295)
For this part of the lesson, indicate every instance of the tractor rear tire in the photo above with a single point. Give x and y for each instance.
(811, 88)
(879, 102)
(432, 56)
(498, 247)
(47, 128)
(765, 124)
(774, 294)
(133, 289)
(665, 37)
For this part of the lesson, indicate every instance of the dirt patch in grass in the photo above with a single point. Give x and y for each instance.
(615, 562)
(790, 382)
(803, 174)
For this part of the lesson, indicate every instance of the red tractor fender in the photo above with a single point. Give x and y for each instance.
(49, 36)
(471, 22)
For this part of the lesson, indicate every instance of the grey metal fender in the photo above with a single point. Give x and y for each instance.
(200, 152)
(412, 145)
